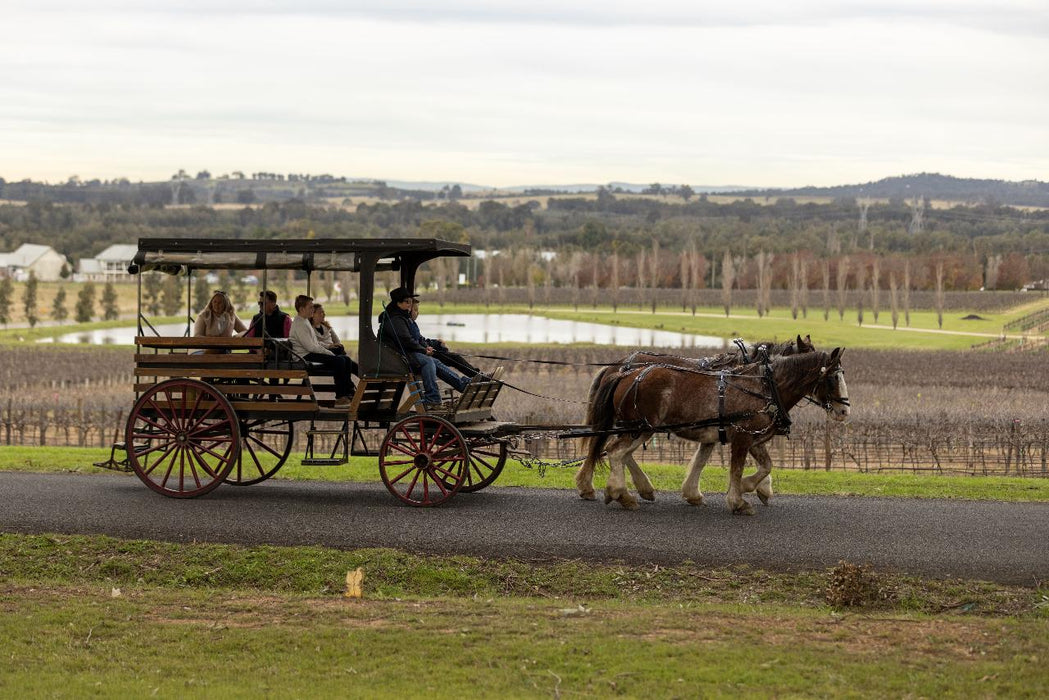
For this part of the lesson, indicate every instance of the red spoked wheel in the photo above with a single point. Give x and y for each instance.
(423, 460)
(182, 438)
(264, 448)
(487, 459)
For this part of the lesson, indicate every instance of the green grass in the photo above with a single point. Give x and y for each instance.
(666, 478)
(94, 615)
(922, 334)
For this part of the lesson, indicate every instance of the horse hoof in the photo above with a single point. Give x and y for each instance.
(695, 501)
(743, 509)
(647, 495)
(764, 497)
(628, 503)
(588, 495)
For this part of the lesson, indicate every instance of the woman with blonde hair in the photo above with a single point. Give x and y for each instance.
(218, 319)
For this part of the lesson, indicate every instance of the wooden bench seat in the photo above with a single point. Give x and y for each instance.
(198, 343)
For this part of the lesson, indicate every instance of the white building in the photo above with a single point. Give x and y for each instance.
(110, 265)
(42, 260)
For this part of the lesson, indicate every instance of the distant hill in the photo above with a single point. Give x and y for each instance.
(931, 185)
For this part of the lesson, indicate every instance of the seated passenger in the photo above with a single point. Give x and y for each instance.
(271, 319)
(395, 332)
(327, 336)
(218, 320)
(441, 351)
(305, 344)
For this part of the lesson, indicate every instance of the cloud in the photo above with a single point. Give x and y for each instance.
(1010, 16)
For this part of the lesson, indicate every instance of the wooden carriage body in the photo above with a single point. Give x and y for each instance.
(223, 410)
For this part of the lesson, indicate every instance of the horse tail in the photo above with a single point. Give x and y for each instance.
(600, 416)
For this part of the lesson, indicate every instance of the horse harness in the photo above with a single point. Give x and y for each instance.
(774, 408)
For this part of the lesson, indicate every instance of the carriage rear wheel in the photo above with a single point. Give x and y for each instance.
(264, 448)
(487, 459)
(183, 438)
(423, 460)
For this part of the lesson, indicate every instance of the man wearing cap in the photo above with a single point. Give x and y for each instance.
(395, 332)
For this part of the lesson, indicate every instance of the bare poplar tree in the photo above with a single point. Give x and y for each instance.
(861, 284)
(894, 303)
(728, 278)
(795, 285)
(875, 288)
(907, 292)
(654, 277)
(939, 293)
(615, 281)
(843, 276)
(641, 263)
(595, 272)
(686, 271)
(804, 291)
(826, 289)
(994, 264)
(764, 262)
(548, 280)
(530, 284)
(697, 271)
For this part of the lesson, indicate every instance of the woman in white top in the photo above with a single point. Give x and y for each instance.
(325, 333)
(218, 319)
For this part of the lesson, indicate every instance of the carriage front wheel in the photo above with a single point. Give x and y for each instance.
(487, 459)
(423, 460)
(182, 438)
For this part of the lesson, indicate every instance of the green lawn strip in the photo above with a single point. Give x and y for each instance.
(273, 620)
(666, 478)
(321, 571)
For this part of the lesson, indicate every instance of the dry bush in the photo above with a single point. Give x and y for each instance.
(858, 586)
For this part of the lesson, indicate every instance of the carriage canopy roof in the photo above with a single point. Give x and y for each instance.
(177, 255)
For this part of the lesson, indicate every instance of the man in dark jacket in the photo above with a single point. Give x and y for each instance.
(395, 331)
(277, 323)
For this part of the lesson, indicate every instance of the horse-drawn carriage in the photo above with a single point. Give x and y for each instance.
(224, 410)
(214, 410)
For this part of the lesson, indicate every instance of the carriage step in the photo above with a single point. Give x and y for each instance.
(365, 453)
(117, 465)
(323, 461)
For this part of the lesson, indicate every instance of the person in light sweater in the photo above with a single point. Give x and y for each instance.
(218, 319)
(304, 343)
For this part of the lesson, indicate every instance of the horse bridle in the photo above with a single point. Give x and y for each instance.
(828, 403)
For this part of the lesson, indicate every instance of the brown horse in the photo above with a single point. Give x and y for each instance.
(749, 404)
(690, 488)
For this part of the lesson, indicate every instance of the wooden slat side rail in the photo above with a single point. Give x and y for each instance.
(172, 358)
(247, 405)
(220, 373)
(250, 389)
(194, 343)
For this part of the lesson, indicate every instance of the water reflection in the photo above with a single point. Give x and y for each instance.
(467, 328)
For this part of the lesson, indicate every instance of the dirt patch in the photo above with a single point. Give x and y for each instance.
(973, 317)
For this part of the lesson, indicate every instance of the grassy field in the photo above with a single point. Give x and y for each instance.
(666, 478)
(94, 615)
(924, 333)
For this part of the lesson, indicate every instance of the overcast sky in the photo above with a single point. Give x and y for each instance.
(768, 93)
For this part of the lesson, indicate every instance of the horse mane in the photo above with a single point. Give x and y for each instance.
(800, 370)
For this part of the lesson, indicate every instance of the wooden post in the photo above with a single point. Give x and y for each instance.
(827, 456)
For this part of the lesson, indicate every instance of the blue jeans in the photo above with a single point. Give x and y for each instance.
(430, 369)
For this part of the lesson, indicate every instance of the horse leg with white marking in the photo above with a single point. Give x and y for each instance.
(734, 496)
(584, 480)
(761, 480)
(619, 454)
(690, 487)
(640, 478)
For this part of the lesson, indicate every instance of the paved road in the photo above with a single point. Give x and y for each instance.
(1006, 542)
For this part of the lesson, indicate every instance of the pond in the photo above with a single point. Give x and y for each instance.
(467, 328)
